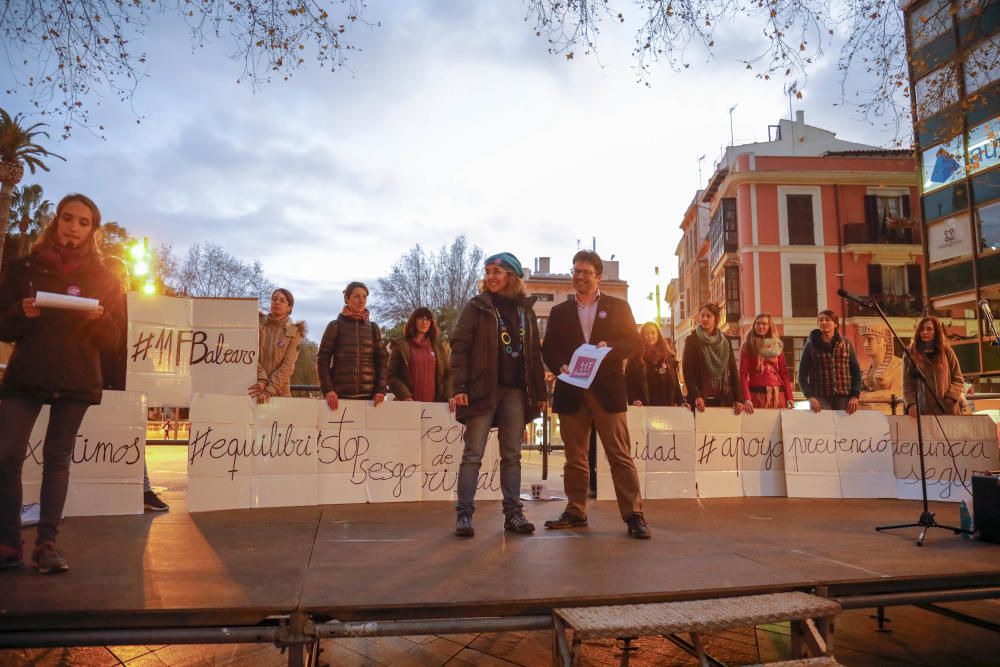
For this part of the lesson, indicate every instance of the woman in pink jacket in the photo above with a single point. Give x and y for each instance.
(763, 371)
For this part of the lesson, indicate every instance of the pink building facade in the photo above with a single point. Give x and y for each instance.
(791, 221)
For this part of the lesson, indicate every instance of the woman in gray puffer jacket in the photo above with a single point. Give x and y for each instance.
(351, 360)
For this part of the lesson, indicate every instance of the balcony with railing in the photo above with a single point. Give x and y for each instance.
(859, 232)
(893, 305)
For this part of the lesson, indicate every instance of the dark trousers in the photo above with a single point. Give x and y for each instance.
(17, 418)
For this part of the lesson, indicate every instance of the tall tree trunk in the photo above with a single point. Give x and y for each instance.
(6, 193)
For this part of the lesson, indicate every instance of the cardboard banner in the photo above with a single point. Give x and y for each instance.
(178, 347)
(299, 452)
(836, 455)
(106, 469)
(442, 440)
(955, 447)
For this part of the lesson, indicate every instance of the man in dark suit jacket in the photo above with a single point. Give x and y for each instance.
(602, 321)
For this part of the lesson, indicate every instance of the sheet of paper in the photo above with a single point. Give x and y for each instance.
(65, 302)
(584, 364)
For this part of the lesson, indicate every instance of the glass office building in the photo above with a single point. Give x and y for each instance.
(954, 59)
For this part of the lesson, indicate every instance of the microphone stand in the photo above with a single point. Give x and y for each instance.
(926, 519)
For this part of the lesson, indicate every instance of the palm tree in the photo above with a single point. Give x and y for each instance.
(17, 149)
(30, 212)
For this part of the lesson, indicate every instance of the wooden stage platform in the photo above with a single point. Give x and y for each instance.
(401, 561)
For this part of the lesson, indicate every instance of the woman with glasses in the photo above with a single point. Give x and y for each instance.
(709, 365)
(499, 381)
(829, 373)
(419, 363)
(763, 369)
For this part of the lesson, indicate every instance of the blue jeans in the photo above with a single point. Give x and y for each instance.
(17, 417)
(509, 416)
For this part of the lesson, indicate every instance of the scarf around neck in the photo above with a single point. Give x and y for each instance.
(62, 259)
(716, 355)
(362, 316)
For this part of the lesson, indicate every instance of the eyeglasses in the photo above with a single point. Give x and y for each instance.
(583, 272)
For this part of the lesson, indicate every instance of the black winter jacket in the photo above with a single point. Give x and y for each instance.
(351, 359)
(653, 384)
(475, 364)
(58, 354)
(615, 325)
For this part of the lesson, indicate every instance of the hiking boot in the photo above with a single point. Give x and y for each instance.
(463, 526)
(11, 556)
(48, 559)
(567, 520)
(517, 523)
(637, 527)
(152, 502)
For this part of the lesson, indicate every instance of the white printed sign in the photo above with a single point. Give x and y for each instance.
(717, 453)
(836, 455)
(668, 452)
(107, 463)
(442, 442)
(761, 451)
(955, 447)
(178, 347)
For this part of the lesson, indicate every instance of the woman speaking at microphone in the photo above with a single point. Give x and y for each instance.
(56, 361)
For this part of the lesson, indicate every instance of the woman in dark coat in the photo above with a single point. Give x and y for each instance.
(419, 364)
(652, 374)
(56, 361)
(499, 380)
(710, 366)
(351, 360)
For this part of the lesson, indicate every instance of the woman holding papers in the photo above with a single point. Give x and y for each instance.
(763, 369)
(499, 381)
(709, 365)
(829, 374)
(652, 374)
(279, 339)
(935, 358)
(56, 361)
(419, 364)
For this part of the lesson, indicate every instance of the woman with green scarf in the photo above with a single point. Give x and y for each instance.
(709, 365)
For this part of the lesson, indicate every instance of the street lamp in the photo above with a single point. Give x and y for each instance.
(141, 264)
(659, 319)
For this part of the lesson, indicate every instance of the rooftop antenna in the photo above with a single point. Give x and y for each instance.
(593, 241)
(701, 158)
(732, 140)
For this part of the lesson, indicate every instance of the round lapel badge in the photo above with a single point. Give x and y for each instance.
(73, 290)
(602, 314)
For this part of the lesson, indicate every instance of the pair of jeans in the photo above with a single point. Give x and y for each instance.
(508, 414)
(17, 418)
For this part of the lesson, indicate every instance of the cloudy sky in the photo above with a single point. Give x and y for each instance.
(452, 119)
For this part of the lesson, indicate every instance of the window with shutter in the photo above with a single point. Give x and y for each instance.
(804, 293)
(800, 220)
(874, 279)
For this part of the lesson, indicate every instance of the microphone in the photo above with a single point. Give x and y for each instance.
(861, 301)
(988, 316)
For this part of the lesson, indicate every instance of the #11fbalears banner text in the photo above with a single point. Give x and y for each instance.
(178, 347)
